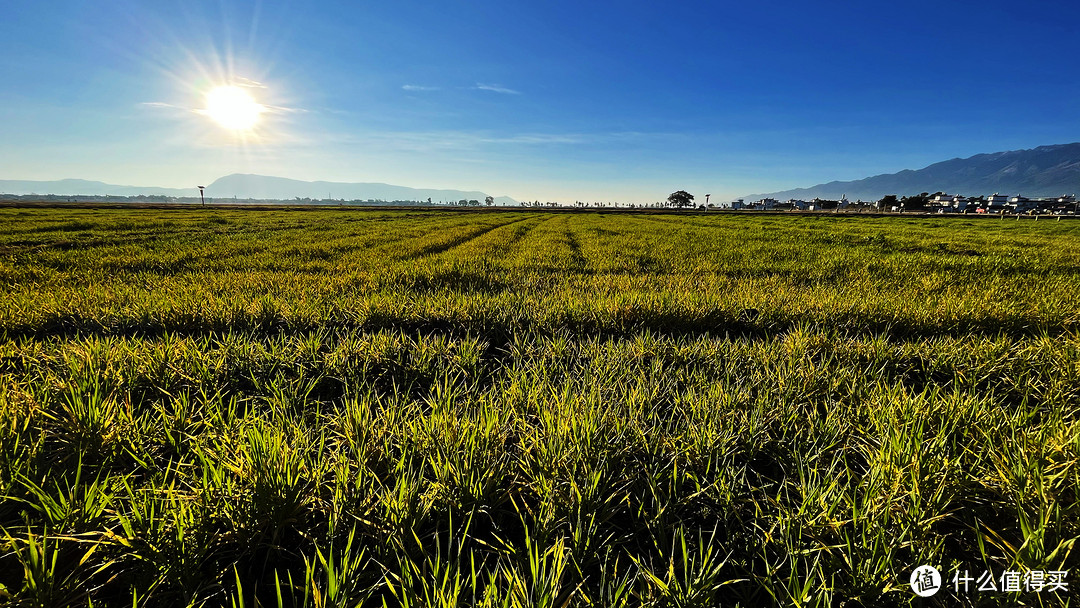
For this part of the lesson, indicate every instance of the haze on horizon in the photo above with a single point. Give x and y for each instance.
(557, 101)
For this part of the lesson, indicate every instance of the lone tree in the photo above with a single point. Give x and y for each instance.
(680, 199)
(489, 201)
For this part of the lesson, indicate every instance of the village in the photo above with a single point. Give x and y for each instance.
(938, 202)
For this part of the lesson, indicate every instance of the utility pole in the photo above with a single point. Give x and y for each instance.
(201, 197)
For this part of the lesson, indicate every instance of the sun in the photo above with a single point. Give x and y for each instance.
(233, 108)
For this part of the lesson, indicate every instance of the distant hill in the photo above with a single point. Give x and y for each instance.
(252, 187)
(265, 187)
(69, 187)
(1042, 171)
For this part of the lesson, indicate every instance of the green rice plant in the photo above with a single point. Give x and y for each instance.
(614, 587)
(19, 441)
(795, 579)
(535, 575)
(403, 504)
(461, 450)
(1033, 473)
(440, 578)
(56, 572)
(90, 421)
(693, 574)
(282, 480)
(345, 583)
(70, 506)
(166, 540)
(332, 579)
(593, 506)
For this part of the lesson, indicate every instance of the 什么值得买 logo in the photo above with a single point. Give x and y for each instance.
(926, 581)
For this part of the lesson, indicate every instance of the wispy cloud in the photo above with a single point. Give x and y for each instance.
(480, 86)
(240, 81)
(536, 138)
(283, 110)
(464, 140)
(158, 104)
(428, 141)
(164, 109)
(496, 88)
(161, 105)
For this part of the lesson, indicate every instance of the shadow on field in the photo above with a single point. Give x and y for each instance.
(731, 324)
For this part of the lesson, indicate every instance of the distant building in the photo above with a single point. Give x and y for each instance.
(949, 202)
(819, 204)
(996, 202)
(1022, 204)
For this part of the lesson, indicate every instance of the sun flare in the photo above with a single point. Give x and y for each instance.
(233, 108)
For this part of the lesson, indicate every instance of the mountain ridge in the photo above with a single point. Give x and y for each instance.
(85, 187)
(248, 185)
(1050, 170)
(251, 186)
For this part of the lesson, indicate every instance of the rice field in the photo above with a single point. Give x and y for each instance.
(508, 409)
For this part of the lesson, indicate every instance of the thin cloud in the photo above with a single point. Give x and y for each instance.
(283, 110)
(158, 104)
(269, 109)
(417, 87)
(240, 81)
(164, 109)
(427, 141)
(537, 139)
(496, 88)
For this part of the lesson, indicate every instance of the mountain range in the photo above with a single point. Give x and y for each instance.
(1043, 171)
(243, 185)
(71, 187)
(248, 186)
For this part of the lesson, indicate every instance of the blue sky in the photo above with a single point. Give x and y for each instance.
(554, 100)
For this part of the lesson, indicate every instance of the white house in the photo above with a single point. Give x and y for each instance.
(952, 201)
(996, 202)
(1020, 204)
